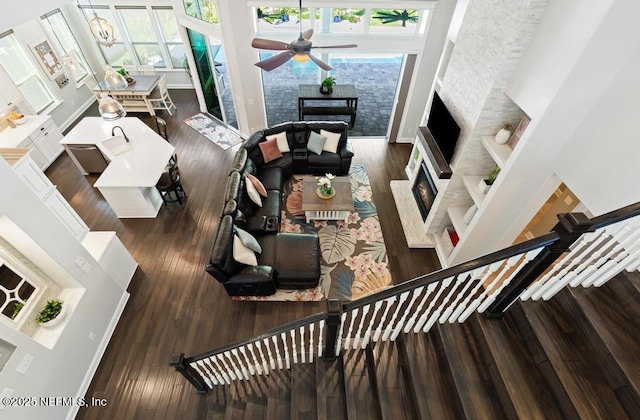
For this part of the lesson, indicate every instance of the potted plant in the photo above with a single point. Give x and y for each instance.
(52, 314)
(327, 84)
(487, 182)
(125, 74)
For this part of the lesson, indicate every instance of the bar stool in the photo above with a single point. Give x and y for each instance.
(170, 181)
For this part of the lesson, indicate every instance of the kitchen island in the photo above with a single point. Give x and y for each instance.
(129, 181)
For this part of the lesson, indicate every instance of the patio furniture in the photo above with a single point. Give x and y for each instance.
(346, 93)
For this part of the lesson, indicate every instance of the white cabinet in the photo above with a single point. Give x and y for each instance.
(31, 174)
(37, 181)
(47, 138)
(66, 214)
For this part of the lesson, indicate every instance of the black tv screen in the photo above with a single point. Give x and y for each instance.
(443, 128)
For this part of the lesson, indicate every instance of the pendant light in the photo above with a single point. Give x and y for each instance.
(109, 108)
(101, 29)
(113, 79)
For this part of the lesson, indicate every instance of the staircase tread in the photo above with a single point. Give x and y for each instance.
(303, 395)
(472, 381)
(330, 398)
(613, 312)
(557, 325)
(513, 371)
(278, 394)
(436, 390)
(361, 402)
(395, 403)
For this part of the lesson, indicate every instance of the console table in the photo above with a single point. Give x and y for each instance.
(346, 93)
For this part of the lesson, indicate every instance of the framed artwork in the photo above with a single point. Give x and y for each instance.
(517, 133)
(47, 58)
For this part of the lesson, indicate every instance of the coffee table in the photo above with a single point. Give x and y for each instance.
(337, 208)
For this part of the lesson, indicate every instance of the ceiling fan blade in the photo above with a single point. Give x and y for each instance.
(338, 46)
(269, 44)
(275, 61)
(320, 63)
(307, 34)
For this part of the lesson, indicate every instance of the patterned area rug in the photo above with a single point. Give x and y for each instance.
(214, 130)
(354, 259)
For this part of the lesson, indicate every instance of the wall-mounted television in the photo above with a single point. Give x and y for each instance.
(443, 128)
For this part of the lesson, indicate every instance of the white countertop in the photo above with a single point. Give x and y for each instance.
(12, 137)
(139, 167)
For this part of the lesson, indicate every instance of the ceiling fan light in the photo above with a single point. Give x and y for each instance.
(301, 58)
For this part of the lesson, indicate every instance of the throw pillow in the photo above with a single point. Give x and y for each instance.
(247, 240)
(253, 193)
(331, 145)
(270, 150)
(281, 139)
(243, 254)
(316, 143)
(256, 183)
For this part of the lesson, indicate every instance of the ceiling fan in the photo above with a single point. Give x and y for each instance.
(299, 49)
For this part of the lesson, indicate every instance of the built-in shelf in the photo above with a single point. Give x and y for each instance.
(472, 184)
(456, 214)
(499, 152)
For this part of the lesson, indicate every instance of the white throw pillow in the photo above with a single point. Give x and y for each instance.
(281, 139)
(252, 192)
(243, 254)
(469, 214)
(331, 145)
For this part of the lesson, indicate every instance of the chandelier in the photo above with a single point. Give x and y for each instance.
(101, 30)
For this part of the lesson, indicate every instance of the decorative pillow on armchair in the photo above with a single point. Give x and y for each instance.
(270, 150)
(331, 145)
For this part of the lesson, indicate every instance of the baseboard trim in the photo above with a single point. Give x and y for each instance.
(91, 371)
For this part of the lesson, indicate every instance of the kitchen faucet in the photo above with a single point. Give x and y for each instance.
(113, 132)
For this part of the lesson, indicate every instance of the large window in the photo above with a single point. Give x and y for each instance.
(144, 35)
(60, 35)
(24, 74)
(137, 23)
(170, 35)
(15, 292)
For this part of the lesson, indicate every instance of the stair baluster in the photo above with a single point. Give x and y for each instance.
(283, 337)
(215, 371)
(398, 328)
(256, 363)
(320, 335)
(477, 273)
(412, 320)
(356, 340)
(201, 369)
(246, 361)
(354, 315)
(389, 302)
(367, 334)
(387, 331)
(311, 331)
(293, 345)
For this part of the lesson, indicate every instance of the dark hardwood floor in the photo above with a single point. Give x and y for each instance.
(174, 305)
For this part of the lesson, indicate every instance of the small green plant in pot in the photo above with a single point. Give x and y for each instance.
(487, 182)
(16, 309)
(327, 84)
(51, 313)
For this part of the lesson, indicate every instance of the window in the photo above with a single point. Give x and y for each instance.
(15, 291)
(137, 24)
(24, 73)
(60, 34)
(201, 9)
(171, 35)
(117, 54)
(143, 35)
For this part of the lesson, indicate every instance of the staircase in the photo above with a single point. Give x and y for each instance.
(541, 330)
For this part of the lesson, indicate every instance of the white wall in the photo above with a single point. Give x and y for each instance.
(60, 371)
(582, 94)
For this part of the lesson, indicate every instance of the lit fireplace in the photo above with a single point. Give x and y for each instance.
(424, 191)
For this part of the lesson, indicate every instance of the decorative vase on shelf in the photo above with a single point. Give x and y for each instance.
(503, 135)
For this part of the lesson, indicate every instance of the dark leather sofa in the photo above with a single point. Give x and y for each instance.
(299, 160)
(287, 261)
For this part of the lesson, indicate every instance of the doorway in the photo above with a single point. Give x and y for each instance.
(205, 68)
